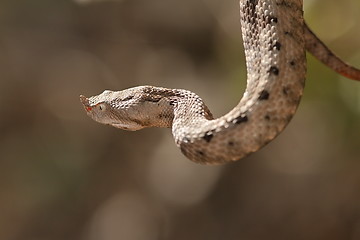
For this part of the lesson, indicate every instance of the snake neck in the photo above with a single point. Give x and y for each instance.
(174, 108)
(190, 115)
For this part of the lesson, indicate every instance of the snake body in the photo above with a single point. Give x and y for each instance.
(275, 37)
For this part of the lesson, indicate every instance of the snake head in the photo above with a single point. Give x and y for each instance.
(112, 108)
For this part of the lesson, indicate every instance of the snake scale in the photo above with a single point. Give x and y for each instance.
(275, 38)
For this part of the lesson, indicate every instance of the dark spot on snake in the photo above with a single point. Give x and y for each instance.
(264, 95)
(128, 98)
(161, 116)
(292, 63)
(285, 90)
(231, 143)
(274, 70)
(201, 153)
(271, 19)
(208, 136)
(276, 46)
(267, 117)
(240, 119)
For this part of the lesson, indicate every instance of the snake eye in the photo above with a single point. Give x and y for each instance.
(101, 107)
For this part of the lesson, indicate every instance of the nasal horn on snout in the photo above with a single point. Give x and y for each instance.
(85, 101)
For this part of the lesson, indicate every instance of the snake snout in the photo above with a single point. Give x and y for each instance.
(85, 101)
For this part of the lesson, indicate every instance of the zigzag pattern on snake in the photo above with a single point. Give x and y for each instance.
(275, 38)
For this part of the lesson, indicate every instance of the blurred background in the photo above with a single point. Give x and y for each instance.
(63, 176)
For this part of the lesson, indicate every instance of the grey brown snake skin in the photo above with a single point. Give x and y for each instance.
(275, 39)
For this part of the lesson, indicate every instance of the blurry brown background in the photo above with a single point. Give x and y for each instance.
(63, 176)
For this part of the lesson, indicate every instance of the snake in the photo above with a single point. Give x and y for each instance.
(275, 38)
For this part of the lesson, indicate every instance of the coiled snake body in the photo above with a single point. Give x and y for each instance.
(275, 37)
